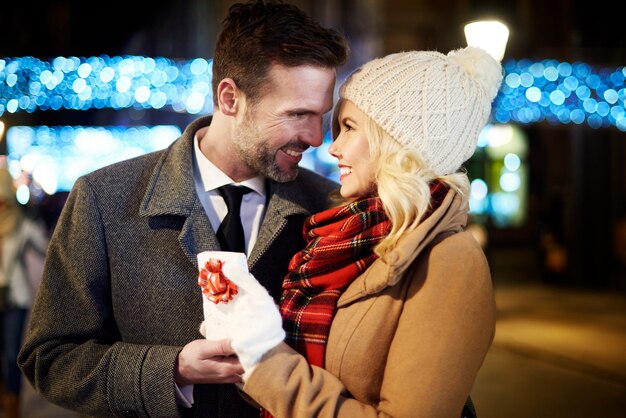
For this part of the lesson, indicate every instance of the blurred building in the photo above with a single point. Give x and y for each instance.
(569, 225)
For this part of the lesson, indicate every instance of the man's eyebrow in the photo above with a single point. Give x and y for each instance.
(299, 110)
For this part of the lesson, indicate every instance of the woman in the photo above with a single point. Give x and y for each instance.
(389, 310)
(23, 242)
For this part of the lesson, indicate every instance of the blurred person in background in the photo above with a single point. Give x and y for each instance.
(114, 328)
(389, 310)
(23, 243)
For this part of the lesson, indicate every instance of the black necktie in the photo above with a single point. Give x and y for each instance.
(230, 233)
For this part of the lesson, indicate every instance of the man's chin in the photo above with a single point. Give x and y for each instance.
(283, 176)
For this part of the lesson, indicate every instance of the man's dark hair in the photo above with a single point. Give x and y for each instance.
(259, 33)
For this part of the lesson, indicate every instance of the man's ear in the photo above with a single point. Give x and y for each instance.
(228, 97)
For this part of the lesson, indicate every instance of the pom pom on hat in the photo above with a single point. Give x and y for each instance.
(481, 66)
(433, 102)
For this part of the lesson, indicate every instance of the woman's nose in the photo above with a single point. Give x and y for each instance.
(333, 149)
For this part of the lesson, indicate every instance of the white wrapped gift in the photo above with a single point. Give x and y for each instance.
(217, 308)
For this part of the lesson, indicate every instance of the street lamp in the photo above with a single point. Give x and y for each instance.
(490, 35)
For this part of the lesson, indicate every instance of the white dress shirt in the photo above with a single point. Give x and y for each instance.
(208, 178)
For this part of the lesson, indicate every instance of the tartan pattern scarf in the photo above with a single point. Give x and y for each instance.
(340, 246)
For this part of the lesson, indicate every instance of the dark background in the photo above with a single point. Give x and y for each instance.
(560, 29)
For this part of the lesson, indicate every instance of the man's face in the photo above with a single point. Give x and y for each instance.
(286, 120)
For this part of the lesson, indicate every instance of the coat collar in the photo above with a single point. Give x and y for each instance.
(450, 217)
(171, 191)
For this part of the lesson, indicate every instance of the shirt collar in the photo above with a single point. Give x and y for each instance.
(212, 177)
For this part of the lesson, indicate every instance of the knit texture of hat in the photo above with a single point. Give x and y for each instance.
(433, 102)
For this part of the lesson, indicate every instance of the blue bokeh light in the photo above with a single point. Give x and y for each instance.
(56, 156)
(560, 92)
(533, 91)
(30, 84)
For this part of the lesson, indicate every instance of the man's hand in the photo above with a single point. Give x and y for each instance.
(206, 361)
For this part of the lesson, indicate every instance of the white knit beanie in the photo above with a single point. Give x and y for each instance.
(424, 99)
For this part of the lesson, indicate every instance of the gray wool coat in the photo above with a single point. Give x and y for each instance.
(119, 297)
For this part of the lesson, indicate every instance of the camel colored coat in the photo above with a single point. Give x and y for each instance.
(408, 337)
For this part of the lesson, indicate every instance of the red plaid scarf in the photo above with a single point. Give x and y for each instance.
(340, 243)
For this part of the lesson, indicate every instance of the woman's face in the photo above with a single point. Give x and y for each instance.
(351, 148)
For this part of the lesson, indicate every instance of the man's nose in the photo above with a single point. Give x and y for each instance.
(315, 135)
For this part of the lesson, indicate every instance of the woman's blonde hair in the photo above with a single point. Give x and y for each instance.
(403, 180)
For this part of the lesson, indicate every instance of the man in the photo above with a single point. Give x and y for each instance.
(114, 329)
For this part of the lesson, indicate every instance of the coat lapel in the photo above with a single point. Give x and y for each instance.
(197, 235)
(171, 192)
(282, 204)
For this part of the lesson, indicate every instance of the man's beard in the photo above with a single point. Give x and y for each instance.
(255, 152)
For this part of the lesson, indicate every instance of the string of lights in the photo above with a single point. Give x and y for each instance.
(560, 92)
(55, 156)
(30, 84)
(533, 91)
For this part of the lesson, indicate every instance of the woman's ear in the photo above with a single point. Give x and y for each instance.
(228, 97)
